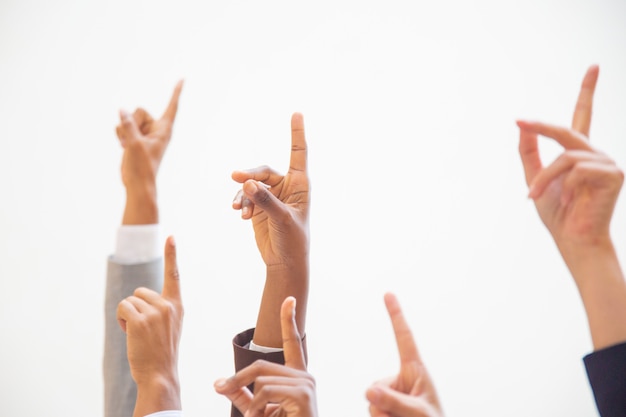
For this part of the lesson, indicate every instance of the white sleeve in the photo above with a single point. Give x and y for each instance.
(263, 349)
(169, 413)
(138, 244)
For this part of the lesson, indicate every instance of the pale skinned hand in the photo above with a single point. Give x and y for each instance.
(153, 325)
(144, 140)
(411, 393)
(576, 194)
(279, 204)
(279, 390)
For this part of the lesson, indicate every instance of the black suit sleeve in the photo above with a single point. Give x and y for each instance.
(606, 370)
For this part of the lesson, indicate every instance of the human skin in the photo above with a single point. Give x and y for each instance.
(278, 206)
(152, 321)
(575, 197)
(279, 390)
(144, 140)
(153, 325)
(410, 393)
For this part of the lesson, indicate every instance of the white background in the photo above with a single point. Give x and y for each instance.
(417, 187)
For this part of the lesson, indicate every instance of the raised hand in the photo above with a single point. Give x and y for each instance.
(144, 140)
(153, 325)
(411, 393)
(279, 208)
(279, 204)
(279, 390)
(575, 195)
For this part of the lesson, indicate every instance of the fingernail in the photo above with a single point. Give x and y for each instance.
(245, 210)
(172, 241)
(252, 187)
(220, 383)
(124, 114)
(531, 191)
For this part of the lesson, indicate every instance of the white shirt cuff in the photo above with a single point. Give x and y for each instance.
(169, 413)
(263, 349)
(137, 244)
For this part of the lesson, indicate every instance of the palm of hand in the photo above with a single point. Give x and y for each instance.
(280, 240)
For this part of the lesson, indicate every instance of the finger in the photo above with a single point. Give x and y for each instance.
(262, 174)
(259, 368)
(292, 341)
(171, 280)
(581, 121)
(151, 297)
(238, 200)
(240, 397)
(120, 135)
(125, 311)
(247, 207)
(376, 412)
(568, 138)
(404, 339)
(140, 304)
(172, 108)
(143, 119)
(393, 402)
(263, 198)
(588, 174)
(561, 165)
(298, 159)
(529, 153)
(276, 394)
(128, 127)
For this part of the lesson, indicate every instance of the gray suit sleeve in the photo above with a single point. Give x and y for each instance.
(120, 391)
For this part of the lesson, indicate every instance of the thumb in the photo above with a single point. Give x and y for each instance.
(240, 398)
(392, 402)
(128, 128)
(171, 281)
(263, 198)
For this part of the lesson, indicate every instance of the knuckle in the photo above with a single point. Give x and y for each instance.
(174, 274)
(139, 291)
(259, 366)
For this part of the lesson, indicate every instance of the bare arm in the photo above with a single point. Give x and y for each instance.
(575, 197)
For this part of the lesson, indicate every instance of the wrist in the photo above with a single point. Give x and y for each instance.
(579, 256)
(141, 206)
(294, 267)
(158, 393)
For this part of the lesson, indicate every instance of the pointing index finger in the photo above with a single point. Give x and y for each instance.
(404, 338)
(292, 342)
(298, 160)
(171, 281)
(581, 121)
(172, 107)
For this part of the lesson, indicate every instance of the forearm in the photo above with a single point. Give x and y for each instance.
(141, 205)
(281, 281)
(600, 281)
(161, 394)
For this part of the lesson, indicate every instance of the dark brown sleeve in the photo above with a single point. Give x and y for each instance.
(245, 357)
